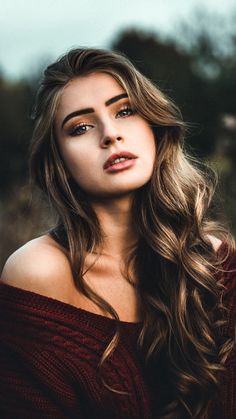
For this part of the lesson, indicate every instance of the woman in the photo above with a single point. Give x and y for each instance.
(125, 308)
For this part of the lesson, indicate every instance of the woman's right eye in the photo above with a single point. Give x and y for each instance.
(80, 129)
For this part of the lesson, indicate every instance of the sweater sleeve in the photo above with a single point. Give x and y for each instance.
(34, 380)
(42, 347)
(49, 357)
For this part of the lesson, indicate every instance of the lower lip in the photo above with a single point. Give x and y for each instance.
(117, 167)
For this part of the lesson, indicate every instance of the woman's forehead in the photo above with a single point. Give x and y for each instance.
(92, 85)
(90, 90)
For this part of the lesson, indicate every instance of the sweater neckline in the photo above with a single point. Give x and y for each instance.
(50, 304)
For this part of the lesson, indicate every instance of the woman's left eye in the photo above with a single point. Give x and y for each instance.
(127, 111)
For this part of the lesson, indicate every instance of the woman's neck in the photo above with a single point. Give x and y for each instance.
(115, 217)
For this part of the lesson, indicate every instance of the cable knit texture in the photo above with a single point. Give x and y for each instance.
(49, 354)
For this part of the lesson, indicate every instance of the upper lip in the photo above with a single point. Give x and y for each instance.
(118, 155)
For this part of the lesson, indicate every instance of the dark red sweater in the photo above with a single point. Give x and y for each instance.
(49, 352)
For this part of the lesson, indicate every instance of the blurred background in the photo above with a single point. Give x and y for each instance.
(187, 47)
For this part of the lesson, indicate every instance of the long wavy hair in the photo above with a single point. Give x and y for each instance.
(174, 261)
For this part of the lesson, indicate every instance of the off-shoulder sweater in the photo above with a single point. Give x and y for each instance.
(49, 355)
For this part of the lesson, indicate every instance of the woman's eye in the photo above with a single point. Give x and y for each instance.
(127, 111)
(80, 129)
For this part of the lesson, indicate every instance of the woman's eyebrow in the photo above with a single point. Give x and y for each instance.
(115, 99)
(91, 110)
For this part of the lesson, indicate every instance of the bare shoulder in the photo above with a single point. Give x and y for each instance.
(40, 266)
(216, 243)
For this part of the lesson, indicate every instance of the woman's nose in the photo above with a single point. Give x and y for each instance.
(110, 135)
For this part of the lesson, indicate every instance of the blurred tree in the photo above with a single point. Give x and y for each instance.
(223, 161)
(15, 130)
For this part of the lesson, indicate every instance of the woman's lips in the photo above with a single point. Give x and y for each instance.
(122, 165)
(119, 155)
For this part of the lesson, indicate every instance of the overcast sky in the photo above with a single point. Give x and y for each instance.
(31, 30)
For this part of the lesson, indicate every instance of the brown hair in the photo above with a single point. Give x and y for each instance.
(174, 260)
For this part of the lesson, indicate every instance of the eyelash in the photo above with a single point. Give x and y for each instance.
(75, 131)
(128, 109)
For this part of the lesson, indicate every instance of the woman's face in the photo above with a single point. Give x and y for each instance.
(107, 147)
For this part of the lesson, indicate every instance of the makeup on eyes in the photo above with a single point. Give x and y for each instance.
(78, 122)
(85, 111)
(92, 118)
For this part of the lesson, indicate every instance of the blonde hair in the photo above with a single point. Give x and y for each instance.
(174, 260)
